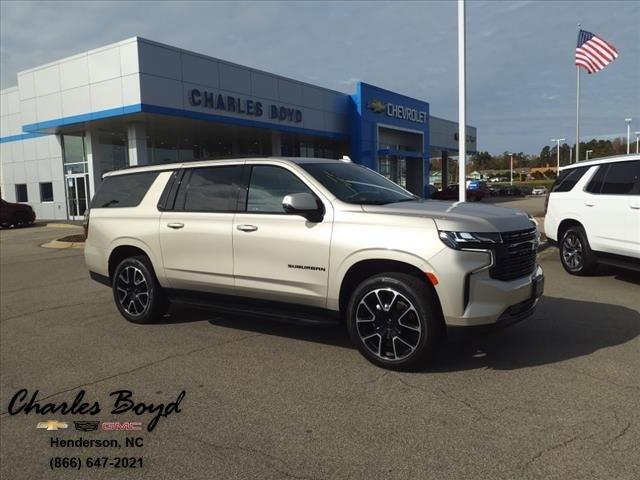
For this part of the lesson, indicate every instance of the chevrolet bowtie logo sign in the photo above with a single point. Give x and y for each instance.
(52, 425)
(377, 106)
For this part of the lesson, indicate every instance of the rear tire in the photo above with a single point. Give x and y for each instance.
(136, 291)
(575, 253)
(395, 320)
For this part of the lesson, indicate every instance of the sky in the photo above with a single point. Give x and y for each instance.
(521, 77)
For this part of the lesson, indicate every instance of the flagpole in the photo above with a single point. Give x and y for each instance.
(462, 104)
(578, 115)
(578, 108)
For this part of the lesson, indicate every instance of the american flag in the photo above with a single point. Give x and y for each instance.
(593, 53)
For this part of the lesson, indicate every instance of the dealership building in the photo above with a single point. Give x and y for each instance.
(139, 102)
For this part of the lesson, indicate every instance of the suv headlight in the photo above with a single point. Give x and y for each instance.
(470, 240)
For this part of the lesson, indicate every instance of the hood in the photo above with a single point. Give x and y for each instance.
(459, 217)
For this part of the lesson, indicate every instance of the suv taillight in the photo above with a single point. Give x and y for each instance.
(85, 223)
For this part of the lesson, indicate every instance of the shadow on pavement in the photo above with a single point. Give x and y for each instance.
(330, 333)
(628, 276)
(561, 329)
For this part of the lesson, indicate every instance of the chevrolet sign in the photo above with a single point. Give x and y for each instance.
(398, 111)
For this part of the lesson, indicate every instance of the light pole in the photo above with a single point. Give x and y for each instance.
(558, 140)
(628, 120)
(511, 172)
(588, 152)
(637, 141)
(462, 104)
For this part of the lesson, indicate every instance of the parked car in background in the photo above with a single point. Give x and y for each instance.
(593, 214)
(451, 192)
(478, 186)
(539, 191)
(16, 214)
(512, 192)
(430, 190)
(310, 240)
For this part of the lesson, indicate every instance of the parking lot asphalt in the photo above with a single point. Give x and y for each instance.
(555, 397)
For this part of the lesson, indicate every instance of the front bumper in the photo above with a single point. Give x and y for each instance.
(489, 301)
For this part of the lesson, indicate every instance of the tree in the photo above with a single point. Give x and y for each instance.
(545, 155)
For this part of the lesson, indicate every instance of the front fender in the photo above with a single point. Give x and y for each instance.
(340, 271)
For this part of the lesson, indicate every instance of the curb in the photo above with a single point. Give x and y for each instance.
(61, 225)
(63, 245)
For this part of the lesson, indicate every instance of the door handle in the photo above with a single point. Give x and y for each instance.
(247, 228)
(175, 225)
(635, 207)
(589, 204)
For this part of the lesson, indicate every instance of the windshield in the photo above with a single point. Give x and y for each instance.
(353, 183)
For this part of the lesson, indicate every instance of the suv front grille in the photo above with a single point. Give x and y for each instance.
(516, 256)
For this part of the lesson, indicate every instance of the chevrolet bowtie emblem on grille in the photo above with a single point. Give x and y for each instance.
(52, 425)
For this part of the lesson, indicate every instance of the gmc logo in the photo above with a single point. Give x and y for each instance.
(121, 426)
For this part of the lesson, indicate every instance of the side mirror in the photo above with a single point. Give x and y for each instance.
(303, 204)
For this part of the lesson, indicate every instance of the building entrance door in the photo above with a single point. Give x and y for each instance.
(394, 168)
(77, 195)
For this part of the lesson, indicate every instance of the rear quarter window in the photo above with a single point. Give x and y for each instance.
(568, 179)
(120, 191)
(621, 178)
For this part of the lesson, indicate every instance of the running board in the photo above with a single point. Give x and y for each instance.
(250, 307)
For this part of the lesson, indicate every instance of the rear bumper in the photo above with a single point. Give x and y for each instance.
(95, 259)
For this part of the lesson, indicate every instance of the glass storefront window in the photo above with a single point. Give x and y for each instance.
(308, 146)
(75, 168)
(73, 154)
(394, 168)
(113, 151)
(73, 148)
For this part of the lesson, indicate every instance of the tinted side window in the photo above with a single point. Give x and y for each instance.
(595, 184)
(621, 178)
(209, 189)
(568, 179)
(269, 185)
(123, 190)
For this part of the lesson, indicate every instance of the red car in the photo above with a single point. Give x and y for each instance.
(451, 193)
(16, 214)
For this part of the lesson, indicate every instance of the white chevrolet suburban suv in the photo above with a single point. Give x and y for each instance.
(593, 214)
(311, 240)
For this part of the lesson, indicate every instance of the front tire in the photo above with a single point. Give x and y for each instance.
(575, 253)
(136, 291)
(18, 221)
(395, 320)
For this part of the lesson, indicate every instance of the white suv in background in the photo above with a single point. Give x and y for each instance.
(593, 213)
